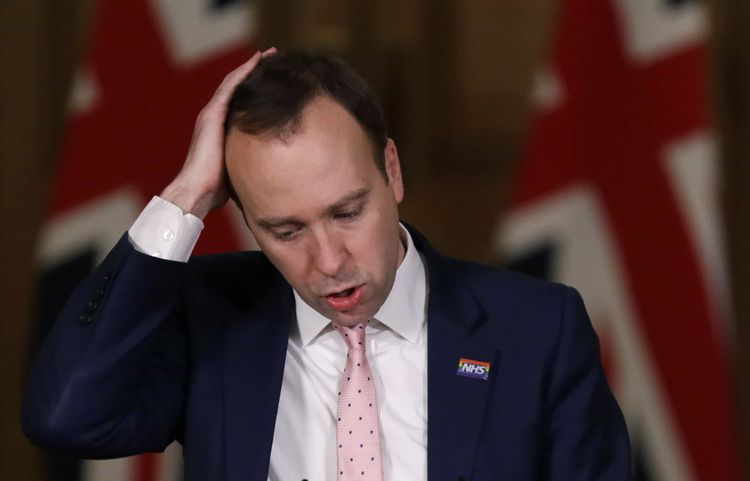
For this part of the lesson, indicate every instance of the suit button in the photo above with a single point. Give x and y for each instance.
(85, 319)
(91, 306)
(99, 293)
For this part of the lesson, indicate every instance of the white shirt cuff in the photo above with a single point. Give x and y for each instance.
(164, 230)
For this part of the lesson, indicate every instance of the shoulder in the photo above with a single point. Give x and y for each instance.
(519, 308)
(494, 288)
(498, 286)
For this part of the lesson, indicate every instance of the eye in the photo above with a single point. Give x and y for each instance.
(286, 235)
(348, 215)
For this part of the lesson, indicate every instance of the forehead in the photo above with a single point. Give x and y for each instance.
(327, 156)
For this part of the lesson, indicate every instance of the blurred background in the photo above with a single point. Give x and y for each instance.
(601, 143)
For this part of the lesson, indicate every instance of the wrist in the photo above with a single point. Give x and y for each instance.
(190, 199)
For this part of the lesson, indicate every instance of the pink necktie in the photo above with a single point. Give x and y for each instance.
(357, 430)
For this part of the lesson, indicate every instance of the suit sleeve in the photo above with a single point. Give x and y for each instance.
(109, 379)
(588, 439)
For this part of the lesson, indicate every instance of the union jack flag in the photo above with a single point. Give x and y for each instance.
(618, 195)
(151, 65)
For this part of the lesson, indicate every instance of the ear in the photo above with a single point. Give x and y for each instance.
(393, 171)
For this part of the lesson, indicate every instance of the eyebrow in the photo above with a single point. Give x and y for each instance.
(271, 222)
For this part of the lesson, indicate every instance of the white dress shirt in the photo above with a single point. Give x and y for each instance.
(304, 440)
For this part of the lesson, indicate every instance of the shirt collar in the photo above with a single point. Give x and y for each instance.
(403, 310)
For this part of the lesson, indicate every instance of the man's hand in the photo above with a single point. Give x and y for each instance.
(199, 188)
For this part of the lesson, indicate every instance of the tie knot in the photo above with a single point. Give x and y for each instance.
(354, 336)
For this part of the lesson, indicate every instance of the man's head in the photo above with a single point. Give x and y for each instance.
(318, 181)
(271, 100)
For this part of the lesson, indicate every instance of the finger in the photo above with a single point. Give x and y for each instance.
(243, 70)
(226, 88)
(235, 77)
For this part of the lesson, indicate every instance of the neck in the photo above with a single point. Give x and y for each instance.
(401, 245)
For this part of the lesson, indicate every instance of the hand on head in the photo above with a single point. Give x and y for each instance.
(199, 187)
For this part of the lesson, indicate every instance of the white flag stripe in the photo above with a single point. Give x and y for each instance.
(693, 166)
(107, 470)
(84, 93)
(170, 463)
(547, 92)
(195, 31)
(654, 29)
(98, 224)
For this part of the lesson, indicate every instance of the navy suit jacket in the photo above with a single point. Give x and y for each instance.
(147, 351)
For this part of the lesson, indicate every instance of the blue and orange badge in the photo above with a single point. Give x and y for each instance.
(472, 368)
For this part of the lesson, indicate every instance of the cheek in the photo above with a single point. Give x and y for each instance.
(376, 248)
(289, 262)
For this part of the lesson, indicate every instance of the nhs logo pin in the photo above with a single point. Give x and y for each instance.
(475, 369)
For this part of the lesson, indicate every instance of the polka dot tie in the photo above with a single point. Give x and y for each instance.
(357, 430)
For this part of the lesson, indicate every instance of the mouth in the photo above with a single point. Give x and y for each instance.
(344, 300)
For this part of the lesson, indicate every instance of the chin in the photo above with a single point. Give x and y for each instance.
(350, 319)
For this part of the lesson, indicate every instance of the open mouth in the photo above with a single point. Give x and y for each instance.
(344, 300)
(344, 293)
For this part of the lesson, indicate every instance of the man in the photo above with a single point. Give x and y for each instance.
(348, 349)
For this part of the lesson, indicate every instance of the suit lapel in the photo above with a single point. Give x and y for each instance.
(456, 404)
(256, 344)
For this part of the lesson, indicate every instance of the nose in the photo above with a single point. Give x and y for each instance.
(330, 254)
